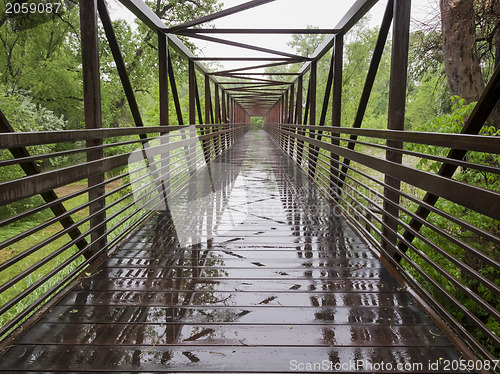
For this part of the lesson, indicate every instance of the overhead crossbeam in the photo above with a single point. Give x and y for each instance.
(263, 66)
(262, 31)
(243, 45)
(217, 58)
(217, 15)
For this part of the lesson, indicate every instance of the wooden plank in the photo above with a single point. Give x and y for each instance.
(302, 298)
(248, 315)
(230, 335)
(140, 358)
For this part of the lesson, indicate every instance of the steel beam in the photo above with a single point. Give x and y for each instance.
(120, 63)
(397, 104)
(175, 95)
(313, 77)
(369, 82)
(93, 119)
(261, 31)
(163, 78)
(217, 15)
(338, 52)
(245, 46)
(192, 94)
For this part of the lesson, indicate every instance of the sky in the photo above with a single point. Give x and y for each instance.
(285, 14)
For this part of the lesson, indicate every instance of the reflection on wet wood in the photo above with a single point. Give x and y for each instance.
(291, 283)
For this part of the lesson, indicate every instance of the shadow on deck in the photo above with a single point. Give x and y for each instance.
(288, 284)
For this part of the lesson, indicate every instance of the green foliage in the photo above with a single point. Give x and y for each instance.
(306, 44)
(358, 54)
(453, 123)
(44, 61)
(25, 116)
(257, 122)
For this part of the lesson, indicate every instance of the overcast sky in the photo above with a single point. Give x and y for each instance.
(286, 14)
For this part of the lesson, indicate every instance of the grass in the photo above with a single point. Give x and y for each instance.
(49, 249)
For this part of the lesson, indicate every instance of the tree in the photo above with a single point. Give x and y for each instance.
(471, 40)
(462, 67)
(306, 44)
(44, 60)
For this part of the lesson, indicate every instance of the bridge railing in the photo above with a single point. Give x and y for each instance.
(448, 251)
(50, 241)
(436, 228)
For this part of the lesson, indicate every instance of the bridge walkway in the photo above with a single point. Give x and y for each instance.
(283, 285)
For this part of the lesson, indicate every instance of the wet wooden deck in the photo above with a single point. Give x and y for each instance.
(289, 285)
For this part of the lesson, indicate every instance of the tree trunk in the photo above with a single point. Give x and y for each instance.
(496, 10)
(459, 47)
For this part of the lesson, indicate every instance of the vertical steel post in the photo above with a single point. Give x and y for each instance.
(298, 111)
(397, 102)
(285, 109)
(192, 94)
(163, 62)
(208, 99)
(217, 105)
(336, 109)
(299, 116)
(290, 119)
(225, 137)
(224, 108)
(93, 118)
(312, 116)
(206, 143)
(163, 77)
(217, 119)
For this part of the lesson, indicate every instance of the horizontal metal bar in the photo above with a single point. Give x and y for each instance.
(33, 185)
(479, 143)
(241, 70)
(261, 31)
(465, 164)
(243, 45)
(458, 192)
(255, 59)
(223, 13)
(66, 153)
(25, 139)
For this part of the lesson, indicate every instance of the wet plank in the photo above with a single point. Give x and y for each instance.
(223, 298)
(262, 315)
(236, 335)
(84, 358)
(278, 281)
